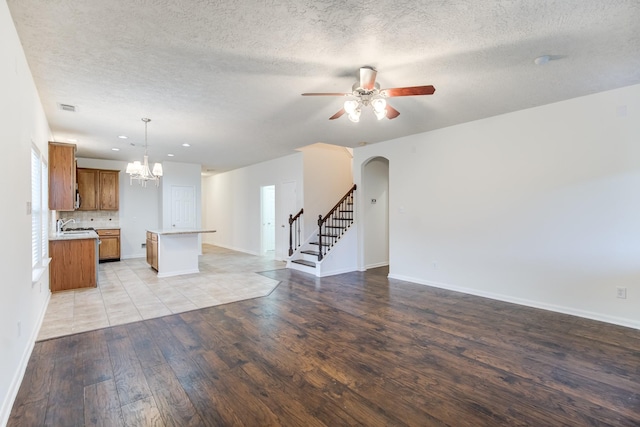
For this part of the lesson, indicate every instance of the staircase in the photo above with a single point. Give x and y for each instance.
(332, 227)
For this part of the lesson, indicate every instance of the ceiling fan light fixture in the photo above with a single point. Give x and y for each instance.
(350, 106)
(367, 93)
(354, 116)
(379, 106)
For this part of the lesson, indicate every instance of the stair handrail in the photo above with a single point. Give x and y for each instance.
(322, 221)
(294, 219)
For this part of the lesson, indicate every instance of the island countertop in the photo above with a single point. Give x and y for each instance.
(163, 232)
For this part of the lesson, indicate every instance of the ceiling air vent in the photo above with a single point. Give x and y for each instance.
(67, 107)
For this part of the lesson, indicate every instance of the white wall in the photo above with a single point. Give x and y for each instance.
(231, 203)
(539, 207)
(327, 177)
(138, 208)
(22, 121)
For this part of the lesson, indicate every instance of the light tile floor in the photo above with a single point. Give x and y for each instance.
(129, 291)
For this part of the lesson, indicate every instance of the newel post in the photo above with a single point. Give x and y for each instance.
(290, 234)
(319, 237)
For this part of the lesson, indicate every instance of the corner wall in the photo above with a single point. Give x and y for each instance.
(327, 177)
(23, 123)
(138, 208)
(231, 204)
(538, 207)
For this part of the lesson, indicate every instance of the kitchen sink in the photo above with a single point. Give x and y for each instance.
(76, 232)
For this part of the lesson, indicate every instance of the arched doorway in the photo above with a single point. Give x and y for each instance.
(375, 212)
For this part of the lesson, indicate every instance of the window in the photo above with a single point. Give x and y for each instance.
(39, 214)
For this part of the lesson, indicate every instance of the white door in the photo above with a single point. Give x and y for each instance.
(183, 206)
(268, 219)
(288, 206)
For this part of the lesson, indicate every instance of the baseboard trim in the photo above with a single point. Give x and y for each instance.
(620, 321)
(178, 273)
(377, 265)
(236, 249)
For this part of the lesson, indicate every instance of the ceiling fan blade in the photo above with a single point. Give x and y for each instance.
(367, 78)
(408, 91)
(338, 114)
(327, 94)
(392, 113)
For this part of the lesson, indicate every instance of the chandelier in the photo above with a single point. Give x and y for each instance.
(140, 171)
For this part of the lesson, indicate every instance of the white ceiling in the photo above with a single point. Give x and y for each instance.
(226, 76)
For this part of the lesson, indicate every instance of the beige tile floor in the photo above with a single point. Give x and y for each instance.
(129, 291)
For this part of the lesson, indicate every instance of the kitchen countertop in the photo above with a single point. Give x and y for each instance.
(181, 231)
(84, 235)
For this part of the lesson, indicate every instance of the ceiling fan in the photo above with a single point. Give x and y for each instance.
(367, 92)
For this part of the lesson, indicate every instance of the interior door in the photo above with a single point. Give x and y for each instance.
(268, 218)
(183, 206)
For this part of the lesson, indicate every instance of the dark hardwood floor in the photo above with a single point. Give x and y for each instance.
(353, 349)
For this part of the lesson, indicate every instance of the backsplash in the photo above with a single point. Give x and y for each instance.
(95, 219)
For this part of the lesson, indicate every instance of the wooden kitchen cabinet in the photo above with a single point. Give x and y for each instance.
(109, 192)
(99, 189)
(88, 183)
(109, 244)
(62, 176)
(152, 250)
(73, 264)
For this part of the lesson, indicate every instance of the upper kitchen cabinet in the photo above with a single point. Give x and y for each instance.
(88, 184)
(62, 176)
(98, 189)
(109, 194)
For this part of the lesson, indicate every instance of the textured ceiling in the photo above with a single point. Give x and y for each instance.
(226, 76)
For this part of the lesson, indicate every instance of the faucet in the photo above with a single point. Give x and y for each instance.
(62, 222)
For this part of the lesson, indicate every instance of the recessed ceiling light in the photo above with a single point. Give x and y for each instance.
(123, 137)
(115, 149)
(170, 155)
(541, 60)
(186, 145)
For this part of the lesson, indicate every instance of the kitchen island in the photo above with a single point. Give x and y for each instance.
(74, 260)
(175, 251)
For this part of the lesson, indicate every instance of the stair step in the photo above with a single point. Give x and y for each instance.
(330, 235)
(314, 253)
(304, 262)
(335, 226)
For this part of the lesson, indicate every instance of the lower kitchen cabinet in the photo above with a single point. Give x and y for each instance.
(109, 244)
(152, 250)
(73, 264)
